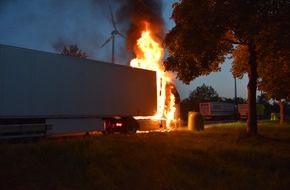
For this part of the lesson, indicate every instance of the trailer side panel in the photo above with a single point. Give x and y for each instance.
(45, 85)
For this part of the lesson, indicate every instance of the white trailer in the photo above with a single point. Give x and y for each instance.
(243, 111)
(216, 110)
(48, 93)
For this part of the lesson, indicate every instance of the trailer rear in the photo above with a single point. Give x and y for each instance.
(243, 111)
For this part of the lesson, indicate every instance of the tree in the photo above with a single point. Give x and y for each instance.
(73, 51)
(272, 65)
(275, 82)
(275, 73)
(238, 100)
(204, 94)
(206, 31)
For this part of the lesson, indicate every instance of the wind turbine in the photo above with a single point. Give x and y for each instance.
(112, 37)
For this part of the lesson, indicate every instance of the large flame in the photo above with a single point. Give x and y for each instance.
(149, 55)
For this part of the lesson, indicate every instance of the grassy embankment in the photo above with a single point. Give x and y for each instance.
(221, 157)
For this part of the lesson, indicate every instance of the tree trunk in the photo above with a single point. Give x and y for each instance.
(282, 116)
(252, 127)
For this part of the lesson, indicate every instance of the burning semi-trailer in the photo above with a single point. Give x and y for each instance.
(45, 94)
(51, 93)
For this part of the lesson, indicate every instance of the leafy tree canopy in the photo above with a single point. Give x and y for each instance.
(74, 51)
(204, 94)
(206, 31)
(274, 80)
(238, 100)
(273, 63)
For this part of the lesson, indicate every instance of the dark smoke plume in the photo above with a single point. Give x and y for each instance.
(136, 12)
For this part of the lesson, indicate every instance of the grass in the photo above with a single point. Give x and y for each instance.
(221, 157)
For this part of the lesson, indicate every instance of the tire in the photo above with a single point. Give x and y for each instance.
(131, 127)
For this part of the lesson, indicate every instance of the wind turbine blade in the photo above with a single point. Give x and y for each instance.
(121, 34)
(107, 41)
(112, 17)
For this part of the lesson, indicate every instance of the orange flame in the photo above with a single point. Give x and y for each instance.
(149, 54)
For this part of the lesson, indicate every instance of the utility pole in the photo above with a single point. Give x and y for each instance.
(235, 90)
(235, 101)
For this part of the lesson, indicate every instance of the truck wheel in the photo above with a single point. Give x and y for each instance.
(131, 127)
